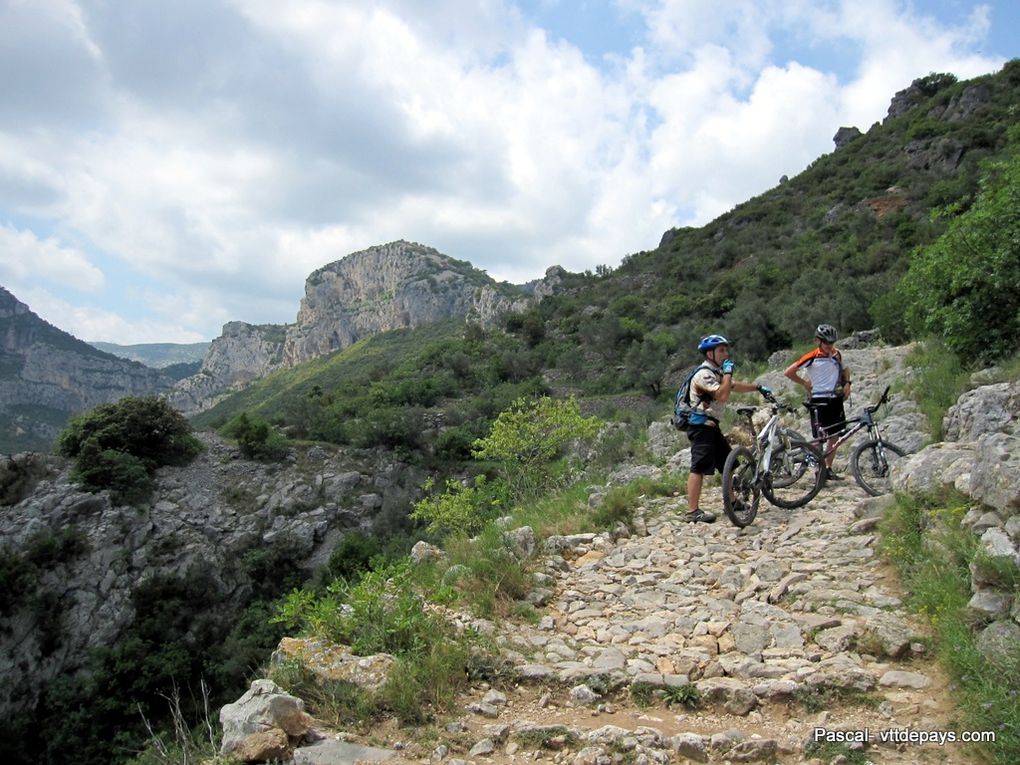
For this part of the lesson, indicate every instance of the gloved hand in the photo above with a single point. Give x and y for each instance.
(766, 392)
(727, 367)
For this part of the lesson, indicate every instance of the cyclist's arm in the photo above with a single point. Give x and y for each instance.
(729, 385)
(845, 380)
(791, 374)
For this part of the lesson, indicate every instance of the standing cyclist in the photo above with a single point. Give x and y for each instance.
(710, 389)
(828, 383)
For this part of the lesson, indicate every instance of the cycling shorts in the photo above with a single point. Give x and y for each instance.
(831, 416)
(709, 449)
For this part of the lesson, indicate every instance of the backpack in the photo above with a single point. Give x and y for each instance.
(682, 407)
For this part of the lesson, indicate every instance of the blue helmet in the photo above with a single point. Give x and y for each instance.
(711, 341)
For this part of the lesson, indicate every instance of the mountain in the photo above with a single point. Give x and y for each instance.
(157, 355)
(399, 285)
(46, 375)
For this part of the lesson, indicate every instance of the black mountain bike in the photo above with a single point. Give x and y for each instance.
(870, 460)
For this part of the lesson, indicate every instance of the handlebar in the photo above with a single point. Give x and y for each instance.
(883, 399)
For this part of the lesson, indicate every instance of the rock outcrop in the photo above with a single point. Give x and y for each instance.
(201, 520)
(46, 375)
(392, 286)
(845, 135)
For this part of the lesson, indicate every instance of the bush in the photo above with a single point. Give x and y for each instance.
(119, 446)
(965, 288)
(525, 439)
(256, 438)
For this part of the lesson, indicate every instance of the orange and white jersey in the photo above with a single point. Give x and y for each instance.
(825, 370)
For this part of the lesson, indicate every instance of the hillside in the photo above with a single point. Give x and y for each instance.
(46, 375)
(828, 245)
(400, 285)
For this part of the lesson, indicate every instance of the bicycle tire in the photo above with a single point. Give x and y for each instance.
(740, 489)
(782, 473)
(810, 469)
(870, 464)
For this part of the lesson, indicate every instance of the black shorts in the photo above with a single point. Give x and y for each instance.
(709, 449)
(831, 416)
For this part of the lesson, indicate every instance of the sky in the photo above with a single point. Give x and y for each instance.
(167, 166)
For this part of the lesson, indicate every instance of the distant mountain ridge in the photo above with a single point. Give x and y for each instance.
(156, 355)
(46, 375)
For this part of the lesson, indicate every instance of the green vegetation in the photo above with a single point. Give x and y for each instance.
(686, 695)
(965, 287)
(256, 438)
(384, 613)
(934, 555)
(119, 446)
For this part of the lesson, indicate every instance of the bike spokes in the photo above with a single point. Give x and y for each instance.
(741, 490)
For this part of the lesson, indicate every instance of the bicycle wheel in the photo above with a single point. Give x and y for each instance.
(802, 469)
(785, 472)
(740, 490)
(871, 462)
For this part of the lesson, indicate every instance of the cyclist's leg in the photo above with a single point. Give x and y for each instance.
(833, 420)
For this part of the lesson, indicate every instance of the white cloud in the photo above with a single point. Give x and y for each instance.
(24, 258)
(227, 148)
(90, 323)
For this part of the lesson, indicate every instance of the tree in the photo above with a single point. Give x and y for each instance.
(965, 288)
(119, 446)
(529, 436)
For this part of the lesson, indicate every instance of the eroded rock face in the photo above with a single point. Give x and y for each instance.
(201, 521)
(45, 368)
(392, 286)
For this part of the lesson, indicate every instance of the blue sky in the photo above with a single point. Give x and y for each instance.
(166, 167)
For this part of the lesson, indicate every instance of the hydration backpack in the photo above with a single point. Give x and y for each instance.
(682, 406)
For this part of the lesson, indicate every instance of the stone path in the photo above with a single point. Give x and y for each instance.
(789, 629)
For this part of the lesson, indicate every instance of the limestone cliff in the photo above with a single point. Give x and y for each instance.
(242, 353)
(46, 375)
(390, 286)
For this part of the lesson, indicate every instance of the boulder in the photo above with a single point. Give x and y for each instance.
(995, 475)
(936, 467)
(987, 409)
(263, 707)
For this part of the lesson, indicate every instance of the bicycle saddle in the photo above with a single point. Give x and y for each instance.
(746, 411)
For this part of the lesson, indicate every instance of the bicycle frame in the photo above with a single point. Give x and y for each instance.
(866, 419)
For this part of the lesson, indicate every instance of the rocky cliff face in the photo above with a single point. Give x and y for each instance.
(46, 375)
(88, 555)
(391, 286)
(242, 353)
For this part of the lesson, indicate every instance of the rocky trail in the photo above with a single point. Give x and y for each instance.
(791, 630)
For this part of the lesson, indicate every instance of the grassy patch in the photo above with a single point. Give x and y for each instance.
(686, 695)
(939, 381)
(815, 698)
(934, 553)
(828, 751)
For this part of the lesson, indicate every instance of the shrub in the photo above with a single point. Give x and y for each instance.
(965, 287)
(118, 446)
(460, 509)
(525, 439)
(256, 438)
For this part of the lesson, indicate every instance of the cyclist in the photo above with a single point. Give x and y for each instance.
(828, 383)
(710, 389)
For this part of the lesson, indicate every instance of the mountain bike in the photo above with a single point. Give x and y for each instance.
(788, 472)
(870, 460)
